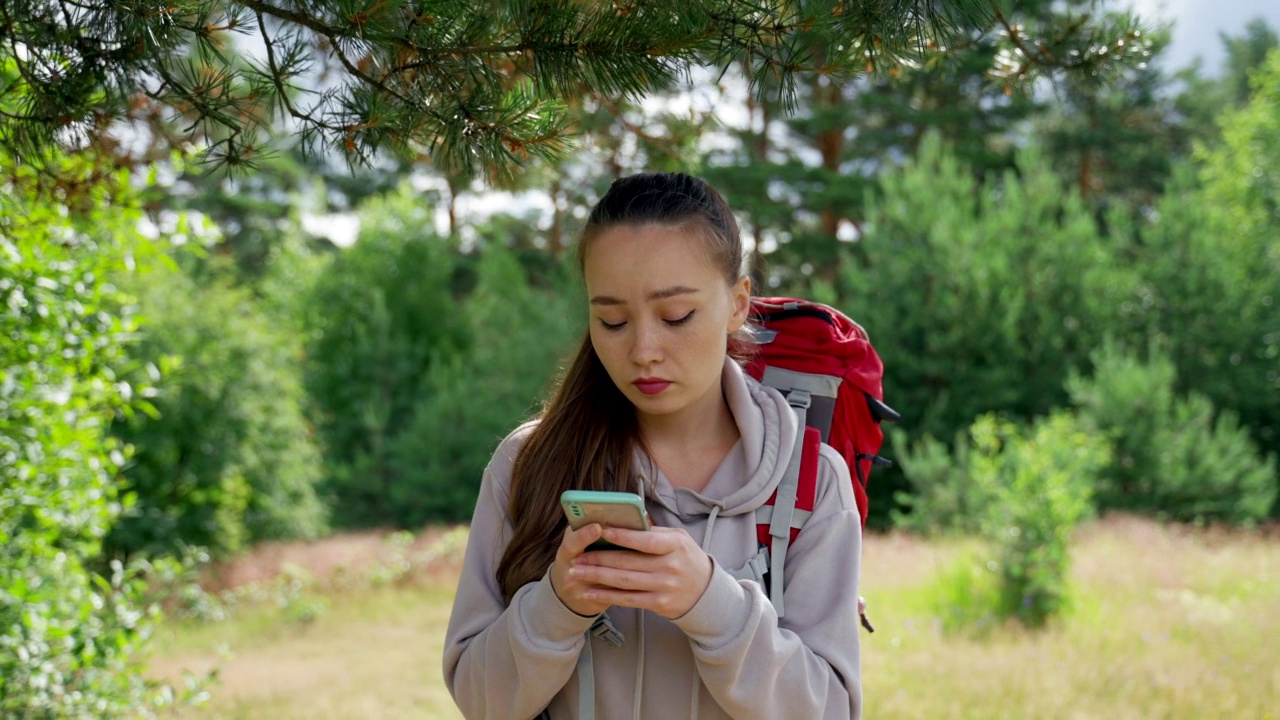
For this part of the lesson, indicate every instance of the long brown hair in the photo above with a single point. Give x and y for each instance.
(588, 433)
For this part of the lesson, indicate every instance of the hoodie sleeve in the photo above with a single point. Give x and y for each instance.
(505, 661)
(806, 664)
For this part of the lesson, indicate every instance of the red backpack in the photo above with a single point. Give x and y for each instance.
(825, 366)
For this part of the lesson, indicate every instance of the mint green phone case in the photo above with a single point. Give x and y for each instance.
(611, 509)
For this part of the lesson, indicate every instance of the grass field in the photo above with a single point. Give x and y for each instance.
(1166, 623)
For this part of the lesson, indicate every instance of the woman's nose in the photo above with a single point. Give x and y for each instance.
(646, 344)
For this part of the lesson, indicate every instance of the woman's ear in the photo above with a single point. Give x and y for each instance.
(740, 294)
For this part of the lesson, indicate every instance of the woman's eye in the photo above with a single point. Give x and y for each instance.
(680, 321)
(611, 326)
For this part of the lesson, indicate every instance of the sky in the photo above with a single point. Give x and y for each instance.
(1198, 23)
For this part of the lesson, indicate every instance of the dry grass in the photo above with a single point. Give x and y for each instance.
(1167, 623)
(375, 655)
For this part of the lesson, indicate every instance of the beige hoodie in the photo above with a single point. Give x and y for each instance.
(730, 655)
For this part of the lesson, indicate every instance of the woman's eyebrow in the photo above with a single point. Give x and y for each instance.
(655, 295)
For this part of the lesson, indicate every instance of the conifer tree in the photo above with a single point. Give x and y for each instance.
(805, 182)
(1204, 97)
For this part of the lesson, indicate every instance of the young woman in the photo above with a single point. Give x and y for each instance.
(655, 403)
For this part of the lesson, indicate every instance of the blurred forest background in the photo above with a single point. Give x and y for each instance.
(1086, 272)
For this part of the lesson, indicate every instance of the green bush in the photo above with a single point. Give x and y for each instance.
(1208, 263)
(942, 499)
(1039, 481)
(380, 316)
(965, 594)
(1207, 304)
(1212, 259)
(1175, 457)
(421, 357)
(227, 460)
(1023, 490)
(980, 297)
(71, 639)
(472, 400)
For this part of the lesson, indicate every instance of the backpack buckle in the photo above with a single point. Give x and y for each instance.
(609, 633)
(799, 399)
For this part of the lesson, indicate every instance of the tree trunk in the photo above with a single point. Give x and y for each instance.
(760, 154)
(453, 204)
(831, 146)
(555, 237)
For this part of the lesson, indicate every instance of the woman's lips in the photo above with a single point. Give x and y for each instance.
(651, 387)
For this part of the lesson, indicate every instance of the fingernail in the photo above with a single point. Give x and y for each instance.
(610, 534)
(575, 572)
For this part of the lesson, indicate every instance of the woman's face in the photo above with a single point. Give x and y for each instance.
(661, 314)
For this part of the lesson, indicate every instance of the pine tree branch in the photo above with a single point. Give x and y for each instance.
(442, 73)
(619, 114)
(1044, 58)
(296, 18)
(28, 118)
(276, 80)
(333, 36)
(1039, 56)
(22, 68)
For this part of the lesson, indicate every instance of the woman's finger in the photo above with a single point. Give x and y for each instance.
(613, 577)
(576, 542)
(656, 541)
(571, 591)
(665, 605)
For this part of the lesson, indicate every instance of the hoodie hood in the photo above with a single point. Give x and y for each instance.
(753, 468)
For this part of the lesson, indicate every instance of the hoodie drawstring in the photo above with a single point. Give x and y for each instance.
(711, 522)
(706, 543)
(639, 671)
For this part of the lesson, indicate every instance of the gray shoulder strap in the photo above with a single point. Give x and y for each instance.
(586, 682)
(610, 635)
(758, 566)
(784, 508)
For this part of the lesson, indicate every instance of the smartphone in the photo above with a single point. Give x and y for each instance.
(611, 509)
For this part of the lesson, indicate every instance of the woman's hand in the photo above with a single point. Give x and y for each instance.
(572, 591)
(663, 570)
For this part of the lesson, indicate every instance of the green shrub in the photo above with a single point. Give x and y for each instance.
(380, 316)
(1023, 490)
(227, 459)
(1039, 481)
(942, 498)
(980, 296)
(1175, 457)
(71, 639)
(470, 402)
(965, 594)
(1241, 180)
